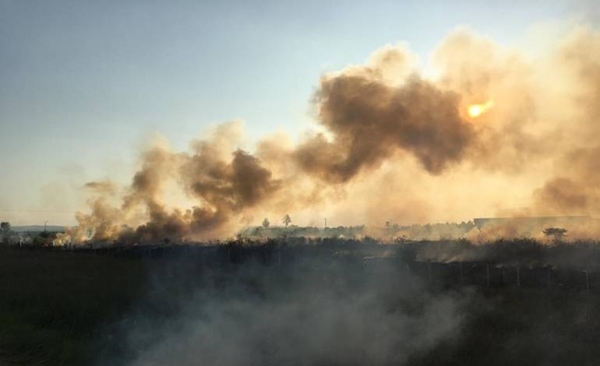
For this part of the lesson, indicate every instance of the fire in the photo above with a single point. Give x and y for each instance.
(476, 110)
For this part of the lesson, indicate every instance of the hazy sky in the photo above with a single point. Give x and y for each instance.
(83, 84)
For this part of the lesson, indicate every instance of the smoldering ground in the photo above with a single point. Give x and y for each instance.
(317, 311)
(329, 306)
(129, 315)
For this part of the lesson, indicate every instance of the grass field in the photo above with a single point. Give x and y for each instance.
(54, 304)
(76, 308)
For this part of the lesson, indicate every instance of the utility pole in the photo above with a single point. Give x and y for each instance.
(587, 280)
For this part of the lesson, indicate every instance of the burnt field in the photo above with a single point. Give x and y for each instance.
(302, 302)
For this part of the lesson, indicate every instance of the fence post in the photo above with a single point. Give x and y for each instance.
(587, 280)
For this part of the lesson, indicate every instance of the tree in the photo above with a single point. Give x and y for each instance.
(266, 223)
(557, 232)
(286, 220)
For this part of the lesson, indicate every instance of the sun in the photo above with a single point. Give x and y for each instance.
(476, 110)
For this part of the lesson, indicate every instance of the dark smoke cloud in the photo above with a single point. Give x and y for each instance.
(383, 124)
(220, 182)
(241, 183)
(370, 121)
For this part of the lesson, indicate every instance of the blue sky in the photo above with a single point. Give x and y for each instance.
(84, 83)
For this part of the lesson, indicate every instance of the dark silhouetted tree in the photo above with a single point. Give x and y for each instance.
(266, 223)
(286, 220)
(556, 232)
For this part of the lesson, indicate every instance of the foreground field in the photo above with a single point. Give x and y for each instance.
(53, 305)
(306, 305)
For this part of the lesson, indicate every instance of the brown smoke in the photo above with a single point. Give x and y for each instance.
(574, 187)
(575, 190)
(391, 145)
(222, 183)
(369, 120)
(509, 136)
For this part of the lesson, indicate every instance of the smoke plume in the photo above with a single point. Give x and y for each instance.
(391, 143)
(317, 313)
(371, 120)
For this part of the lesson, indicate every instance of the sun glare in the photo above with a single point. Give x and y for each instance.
(476, 110)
